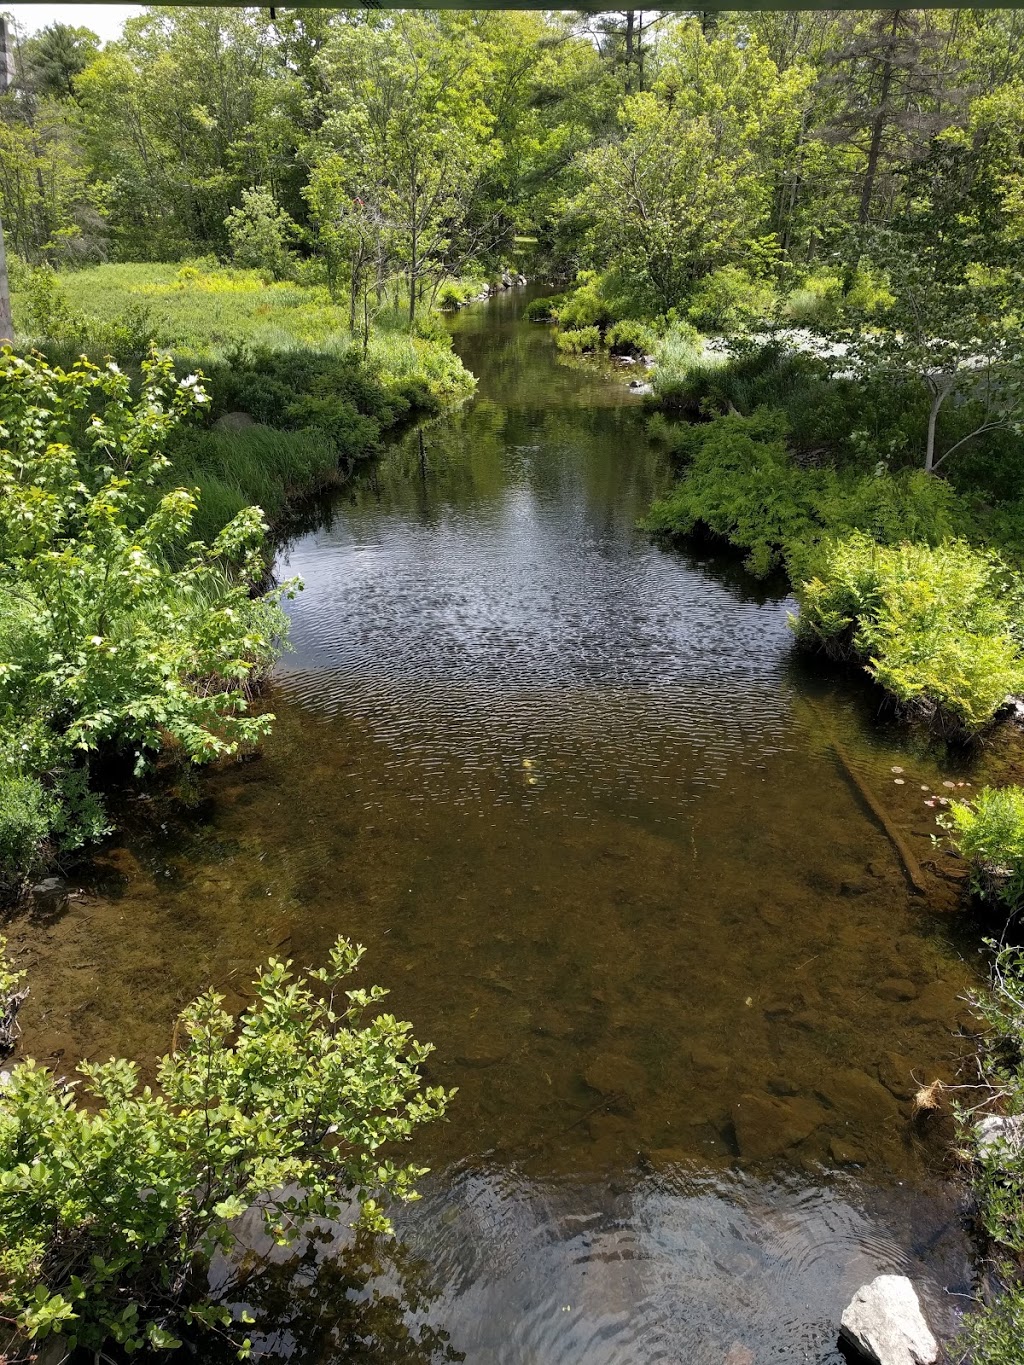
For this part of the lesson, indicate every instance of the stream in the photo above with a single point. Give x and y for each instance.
(581, 801)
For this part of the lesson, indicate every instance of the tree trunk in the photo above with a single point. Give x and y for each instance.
(6, 326)
(877, 131)
(933, 417)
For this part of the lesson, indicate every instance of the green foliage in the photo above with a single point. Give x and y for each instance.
(730, 300)
(113, 1208)
(994, 1335)
(630, 338)
(256, 464)
(579, 340)
(259, 232)
(542, 310)
(104, 643)
(741, 483)
(679, 354)
(587, 305)
(27, 815)
(937, 627)
(988, 832)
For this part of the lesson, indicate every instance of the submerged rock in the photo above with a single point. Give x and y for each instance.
(766, 1126)
(885, 1324)
(739, 1355)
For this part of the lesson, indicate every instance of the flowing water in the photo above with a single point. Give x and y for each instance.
(586, 810)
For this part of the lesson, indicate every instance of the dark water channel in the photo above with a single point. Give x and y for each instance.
(581, 803)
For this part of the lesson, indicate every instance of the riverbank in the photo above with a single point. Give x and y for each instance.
(296, 399)
(567, 787)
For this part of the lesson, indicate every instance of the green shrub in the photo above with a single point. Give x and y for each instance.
(449, 296)
(259, 232)
(27, 815)
(579, 340)
(113, 1208)
(630, 338)
(587, 305)
(988, 832)
(730, 300)
(116, 631)
(742, 484)
(936, 627)
(542, 310)
(993, 1334)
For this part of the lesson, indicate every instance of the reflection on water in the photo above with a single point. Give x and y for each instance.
(575, 796)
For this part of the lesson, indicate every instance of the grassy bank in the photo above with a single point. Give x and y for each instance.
(988, 833)
(910, 576)
(296, 399)
(260, 396)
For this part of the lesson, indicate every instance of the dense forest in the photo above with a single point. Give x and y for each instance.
(671, 152)
(230, 235)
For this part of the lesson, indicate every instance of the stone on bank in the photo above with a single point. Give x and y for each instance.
(885, 1324)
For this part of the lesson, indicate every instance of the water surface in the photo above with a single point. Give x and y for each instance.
(584, 807)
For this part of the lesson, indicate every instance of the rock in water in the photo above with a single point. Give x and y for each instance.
(739, 1355)
(885, 1323)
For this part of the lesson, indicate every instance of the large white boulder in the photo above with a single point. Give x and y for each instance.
(885, 1323)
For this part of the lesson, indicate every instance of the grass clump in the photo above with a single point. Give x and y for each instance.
(938, 627)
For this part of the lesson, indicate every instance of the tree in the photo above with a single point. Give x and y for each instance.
(411, 126)
(683, 190)
(109, 1209)
(891, 84)
(185, 112)
(53, 58)
(259, 233)
(951, 328)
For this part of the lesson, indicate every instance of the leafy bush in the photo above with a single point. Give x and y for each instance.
(988, 831)
(27, 815)
(730, 300)
(112, 1209)
(579, 340)
(259, 232)
(937, 627)
(587, 305)
(104, 643)
(630, 338)
(742, 484)
(993, 1334)
(542, 310)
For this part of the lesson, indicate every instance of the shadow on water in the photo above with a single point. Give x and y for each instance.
(584, 809)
